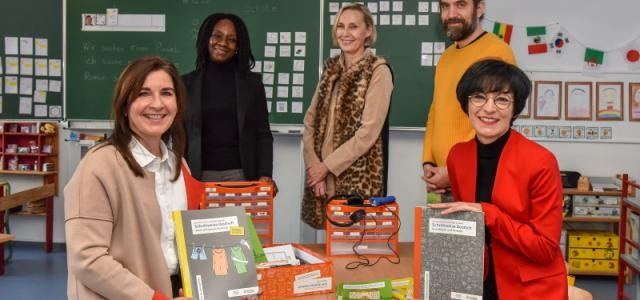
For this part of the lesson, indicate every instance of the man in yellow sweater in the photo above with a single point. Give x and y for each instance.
(447, 124)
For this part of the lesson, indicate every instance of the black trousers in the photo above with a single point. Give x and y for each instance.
(176, 284)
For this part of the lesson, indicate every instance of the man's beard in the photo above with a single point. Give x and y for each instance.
(460, 33)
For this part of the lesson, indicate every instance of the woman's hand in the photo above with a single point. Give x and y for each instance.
(316, 173)
(436, 178)
(451, 207)
(320, 189)
(181, 295)
(273, 183)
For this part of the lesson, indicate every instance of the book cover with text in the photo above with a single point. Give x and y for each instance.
(215, 254)
(448, 254)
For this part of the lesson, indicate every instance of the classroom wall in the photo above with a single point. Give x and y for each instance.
(602, 25)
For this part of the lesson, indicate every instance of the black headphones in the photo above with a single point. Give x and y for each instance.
(354, 217)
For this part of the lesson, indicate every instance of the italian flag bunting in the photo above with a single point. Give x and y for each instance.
(503, 31)
(537, 40)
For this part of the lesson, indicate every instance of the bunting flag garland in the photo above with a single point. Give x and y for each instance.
(559, 42)
(631, 55)
(593, 59)
(503, 31)
(537, 43)
(554, 38)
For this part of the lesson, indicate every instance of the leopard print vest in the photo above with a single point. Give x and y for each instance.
(365, 175)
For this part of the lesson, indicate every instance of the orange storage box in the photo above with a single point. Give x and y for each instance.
(313, 276)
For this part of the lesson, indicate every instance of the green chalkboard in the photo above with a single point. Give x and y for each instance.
(30, 22)
(403, 27)
(95, 58)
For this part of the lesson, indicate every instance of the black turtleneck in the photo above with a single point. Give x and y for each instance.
(220, 134)
(488, 157)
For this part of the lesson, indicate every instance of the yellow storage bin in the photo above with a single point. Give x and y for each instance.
(593, 253)
(593, 239)
(593, 265)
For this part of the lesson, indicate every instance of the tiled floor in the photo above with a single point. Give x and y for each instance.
(36, 275)
(33, 274)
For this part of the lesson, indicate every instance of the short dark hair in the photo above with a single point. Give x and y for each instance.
(244, 58)
(126, 92)
(475, 6)
(493, 75)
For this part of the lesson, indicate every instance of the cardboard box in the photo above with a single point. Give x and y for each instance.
(313, 276)
(593, 239)
(593, 265)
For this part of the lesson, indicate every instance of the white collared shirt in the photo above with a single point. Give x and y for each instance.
(171, 195)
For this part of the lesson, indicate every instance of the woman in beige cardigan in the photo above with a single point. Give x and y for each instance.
(345, 135)
(120, 237)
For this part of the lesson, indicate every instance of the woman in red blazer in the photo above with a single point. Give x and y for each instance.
(514, 181)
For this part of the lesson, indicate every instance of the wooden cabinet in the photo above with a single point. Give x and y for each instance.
(589, 210)
(30, 149)
(629, 236)
(26, 149)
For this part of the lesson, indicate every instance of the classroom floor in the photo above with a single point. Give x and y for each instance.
(34, 275)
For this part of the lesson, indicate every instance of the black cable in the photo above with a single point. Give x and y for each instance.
(363, 261)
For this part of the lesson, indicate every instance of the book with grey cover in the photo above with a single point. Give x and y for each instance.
(215, 253)
(448, 254)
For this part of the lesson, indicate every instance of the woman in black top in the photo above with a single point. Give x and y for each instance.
(227, 123)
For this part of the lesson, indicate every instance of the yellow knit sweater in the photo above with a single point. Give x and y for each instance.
(447, 124)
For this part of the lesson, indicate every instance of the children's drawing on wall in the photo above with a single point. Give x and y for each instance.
(578, 132)
(634, 101)
(593, 133)
(526, 111)
(578, 100)
(547, 96)
(552, 132)
(609, 101)
(606, 133)
(565, 132)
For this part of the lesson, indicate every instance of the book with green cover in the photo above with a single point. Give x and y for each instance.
(216, 253)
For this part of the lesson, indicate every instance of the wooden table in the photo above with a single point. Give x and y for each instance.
(47, 192)
(383, 269)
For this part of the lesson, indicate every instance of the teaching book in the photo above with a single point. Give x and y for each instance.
(448, 254)
(216, 254)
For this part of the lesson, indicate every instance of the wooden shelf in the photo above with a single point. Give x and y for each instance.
(34, 173)
(6, 237)
(26, 154)
(24, 213)
(591, 193)
(27, 134)
(593, 219)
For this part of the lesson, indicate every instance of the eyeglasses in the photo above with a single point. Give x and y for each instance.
(501, 101)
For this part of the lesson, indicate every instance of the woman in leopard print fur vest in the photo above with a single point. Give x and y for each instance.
(345, 125)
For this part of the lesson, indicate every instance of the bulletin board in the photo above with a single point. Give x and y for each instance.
(31, 59)
(97, 55)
